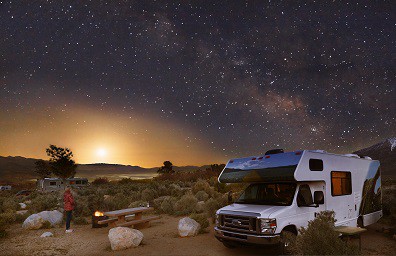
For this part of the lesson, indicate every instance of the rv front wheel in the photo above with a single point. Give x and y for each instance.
(287, 239)
(360, 222)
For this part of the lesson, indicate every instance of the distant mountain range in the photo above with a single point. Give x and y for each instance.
(17, 169)
(385, 152)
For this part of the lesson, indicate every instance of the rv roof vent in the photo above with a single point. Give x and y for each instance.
(318, 151)
(368, 158)
(274, 151)
(352, 155)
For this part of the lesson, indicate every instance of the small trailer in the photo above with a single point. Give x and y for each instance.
(288, 189)
(56, 184)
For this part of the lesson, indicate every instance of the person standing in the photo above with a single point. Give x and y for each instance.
(68, 201)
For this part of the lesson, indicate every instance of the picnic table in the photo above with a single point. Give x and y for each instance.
(129, 217)
(349, 232)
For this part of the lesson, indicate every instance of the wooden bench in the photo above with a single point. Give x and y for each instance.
(124, 218)
(144, 222)
(349, 232)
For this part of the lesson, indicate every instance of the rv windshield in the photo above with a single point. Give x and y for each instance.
(268, 194)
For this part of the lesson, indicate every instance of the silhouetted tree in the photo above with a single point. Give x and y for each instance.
(61, 163)
(167, 168)
(42, 169)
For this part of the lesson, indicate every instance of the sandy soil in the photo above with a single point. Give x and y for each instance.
(159, 239)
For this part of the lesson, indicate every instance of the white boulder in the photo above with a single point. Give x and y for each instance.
(188, 227)
(22, 205)
(47, 234)
(34, 221)
(54, 217)
(122, 238)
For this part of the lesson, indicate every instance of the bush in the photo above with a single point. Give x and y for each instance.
(213, 204)
(6, 218)
(19, 218)
(202, 219)
(80, 221)
(148, 195)
(202, 195)
(101, 181)
(46, 202)
(167, 205)
(186, 205)
(9, 204)
(320, 238)
(202, 185)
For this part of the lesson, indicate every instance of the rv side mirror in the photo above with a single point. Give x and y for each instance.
(318, 197)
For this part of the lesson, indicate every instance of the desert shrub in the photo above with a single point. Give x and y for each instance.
(213, 204)
(167, 205)
(176, 190)
(101, 181)
(6, 218)
(319, 238)
(45, 202)
(202, 195)
(125, 181)
(202, 185)
(80, 221)
(148, 195)
(46, 225)
(202, 219)
(19, 218)
(9, 204)
(137, 204)
(389, 203)
(186, 205)
(158, 202)
(119, 201)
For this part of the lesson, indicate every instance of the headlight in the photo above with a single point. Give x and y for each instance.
(267, 226)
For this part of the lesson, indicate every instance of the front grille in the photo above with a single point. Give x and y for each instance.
(240, 224)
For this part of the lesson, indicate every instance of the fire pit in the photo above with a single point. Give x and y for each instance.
(97, 216)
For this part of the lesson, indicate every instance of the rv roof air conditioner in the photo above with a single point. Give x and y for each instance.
(274, 151)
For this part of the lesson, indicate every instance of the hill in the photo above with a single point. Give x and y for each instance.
(385, 152)
(18, 169)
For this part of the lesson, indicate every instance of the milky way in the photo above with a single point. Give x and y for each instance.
(245, 76)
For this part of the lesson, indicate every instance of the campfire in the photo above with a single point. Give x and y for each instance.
(98, 213)
(97, 216)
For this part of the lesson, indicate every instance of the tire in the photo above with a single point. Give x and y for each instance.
(287, 238)
(229, 245)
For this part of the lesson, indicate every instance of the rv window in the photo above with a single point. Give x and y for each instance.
(316, 164)
(341, 183)
(78, 181)
(84, 182)
(52, 183)
(304, 196)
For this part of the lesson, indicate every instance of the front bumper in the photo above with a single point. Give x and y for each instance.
(225, 235)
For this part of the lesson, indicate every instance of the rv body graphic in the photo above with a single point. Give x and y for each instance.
(288, 189)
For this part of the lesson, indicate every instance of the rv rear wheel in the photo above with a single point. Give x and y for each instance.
(287, 239)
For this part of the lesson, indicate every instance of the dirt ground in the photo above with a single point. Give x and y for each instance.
(159, 239)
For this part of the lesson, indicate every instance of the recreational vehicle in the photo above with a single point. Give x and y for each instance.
(6, 187)
(55, 184)
(286, 190)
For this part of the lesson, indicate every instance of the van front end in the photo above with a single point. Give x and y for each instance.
(246, 228)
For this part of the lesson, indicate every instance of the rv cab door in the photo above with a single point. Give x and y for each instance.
(306, 210)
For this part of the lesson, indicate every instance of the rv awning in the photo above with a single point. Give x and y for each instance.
(276, 168)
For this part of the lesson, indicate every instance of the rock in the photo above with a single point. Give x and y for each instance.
(54, 217)
(188, 227)
(22, 205)
(21, 212)
(47, 234)
(27, 202)
(34, 221)
(122, 238)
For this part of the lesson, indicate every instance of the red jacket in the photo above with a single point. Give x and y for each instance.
(68, 200)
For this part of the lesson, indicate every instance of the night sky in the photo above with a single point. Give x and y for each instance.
(195, 82)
